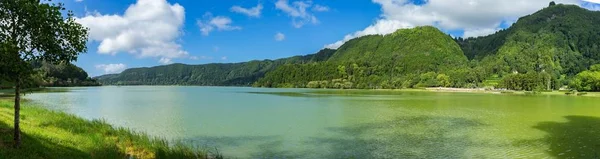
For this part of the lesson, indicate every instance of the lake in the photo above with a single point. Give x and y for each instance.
(305, 123)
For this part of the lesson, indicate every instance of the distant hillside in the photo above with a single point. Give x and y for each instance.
(59, 75)
(62, 75)
(541, 51)
(228, 74)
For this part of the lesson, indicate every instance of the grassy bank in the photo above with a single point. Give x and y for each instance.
(477, 90)
(51, 134)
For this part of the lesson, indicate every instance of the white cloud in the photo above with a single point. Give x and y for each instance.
(479, 32)
(381, 27)
(591, 5)
(592, 1)
(209, 23)
(474, 17)
(224, 58)
(78, 0)
(320, 8)
(148, 28)
(298, 11)
(165, 61)
(251, 12)
(279, 36)
(111, 68)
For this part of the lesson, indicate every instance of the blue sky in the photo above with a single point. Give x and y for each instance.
(144, 33)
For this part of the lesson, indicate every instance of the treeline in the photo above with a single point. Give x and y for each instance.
(366, 76)
(60, 75)
(554, 48)
(228, 74)
(548, 50)
(63, 75)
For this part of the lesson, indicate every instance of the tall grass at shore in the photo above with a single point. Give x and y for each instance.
(53, 134)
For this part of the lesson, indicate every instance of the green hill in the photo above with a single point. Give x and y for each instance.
(228, 74)
(376, 61)
(541, 51)
(56, 75)
(552, 44)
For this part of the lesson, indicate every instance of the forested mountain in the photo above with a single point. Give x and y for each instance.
(377, 61)
(541, 51)
(553, 44)
(59, 75)
(62, 75)
(566, 34)
(229, 74)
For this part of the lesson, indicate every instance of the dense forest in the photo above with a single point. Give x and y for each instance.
(61, 75)
(231, 74)
(551, 49)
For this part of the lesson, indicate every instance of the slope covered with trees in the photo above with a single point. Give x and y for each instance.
(54, 75)
(376, 61)
(541, 51)
(551, 45)
(229, 74)
(62, 75)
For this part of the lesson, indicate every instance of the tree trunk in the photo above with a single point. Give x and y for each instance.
(17, 135)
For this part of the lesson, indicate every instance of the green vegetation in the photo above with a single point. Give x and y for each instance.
(405, 59)
(35, 30)
(61, 75)
(587, 80)
(50, 75)
(540, 52)
(50, 134)
(234, 74)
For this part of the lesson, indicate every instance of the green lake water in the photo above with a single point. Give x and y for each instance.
(303, 123)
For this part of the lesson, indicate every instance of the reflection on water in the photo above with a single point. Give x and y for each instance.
(579, 137)
(404, 137)
(302, 123)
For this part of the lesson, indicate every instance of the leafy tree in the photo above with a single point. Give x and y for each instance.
(552, 3)
(443, 80)
(587, 80)
(32, 30)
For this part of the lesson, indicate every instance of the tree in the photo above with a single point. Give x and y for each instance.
(552, 3)
(443, 80)
(587, 80)
(32, 30)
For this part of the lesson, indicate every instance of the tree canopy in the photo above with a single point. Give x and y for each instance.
(541, 51)
(34, 30)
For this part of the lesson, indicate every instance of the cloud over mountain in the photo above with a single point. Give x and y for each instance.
(473, 18)
(148, 28)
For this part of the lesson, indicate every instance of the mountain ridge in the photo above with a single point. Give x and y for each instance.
(552, 44)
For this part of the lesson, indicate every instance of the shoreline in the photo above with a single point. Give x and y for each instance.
(6, 92)
(484, 91)
(53, 134)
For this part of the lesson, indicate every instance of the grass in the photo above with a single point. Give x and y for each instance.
(511, 92)
(52, 134)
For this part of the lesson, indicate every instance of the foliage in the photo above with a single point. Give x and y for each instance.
(530, 81)
(62, 75)
(562, 39)
(587, 80)
(541, 51)
(375, 62)
(35, 30)
(233, 74)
